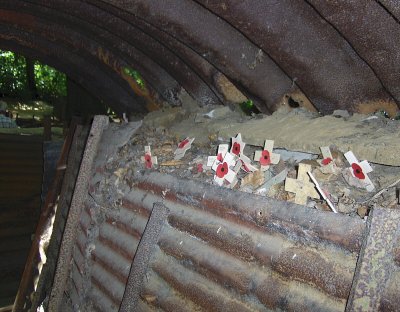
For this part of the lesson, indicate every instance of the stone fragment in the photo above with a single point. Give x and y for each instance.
(362, 211)
(341, 113)
(255, 179)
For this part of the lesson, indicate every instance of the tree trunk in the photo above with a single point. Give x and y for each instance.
(30, 75)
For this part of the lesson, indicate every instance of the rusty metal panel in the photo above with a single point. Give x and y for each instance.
(218, 250)
(377, 280)
(266, 48)
(219, 43)
(308, 49)
(140, 264)
(79, 197)
(376, 36)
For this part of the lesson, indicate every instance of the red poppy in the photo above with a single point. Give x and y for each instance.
(236, 148)
(326, 161)
(222, 170)
(183, 143)
(357, 171)
(219, 157)
(265, 158)
(147, 161)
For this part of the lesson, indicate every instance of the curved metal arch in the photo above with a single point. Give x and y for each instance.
(74, 65)
(324, 65)
(137, 40)
(216, 41)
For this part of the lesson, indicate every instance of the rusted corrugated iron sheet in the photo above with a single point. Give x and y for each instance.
(75, 212)
(377, 281)
(218, 249)
(335, 53)
(21, 170)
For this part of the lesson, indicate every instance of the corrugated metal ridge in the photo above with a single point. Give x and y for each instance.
(220, 238)
(218, 250)
(254, 211)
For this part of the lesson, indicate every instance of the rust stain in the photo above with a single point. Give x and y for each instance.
(17, 18)
(151, 102)
(390, 107)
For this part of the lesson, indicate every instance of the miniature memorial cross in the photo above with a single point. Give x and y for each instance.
(148, 160)
(183, 146)
(222, 150)
(237, 145)
(327, 163)
(246, 163)
(266, 157)
(359, 170)
(226, 170)
(301, 186)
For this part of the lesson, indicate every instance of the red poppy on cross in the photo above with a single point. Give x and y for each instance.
(222, 150)
(222, 170)
(359, 170)
(148, 160)
(237, 145)
(327, 163)
(266, 157)
(225, 171)
(183, 146)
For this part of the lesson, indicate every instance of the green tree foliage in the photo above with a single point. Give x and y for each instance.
(13, 80)
(50, 83)
(136, 76)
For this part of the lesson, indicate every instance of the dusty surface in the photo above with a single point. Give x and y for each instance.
(369, 137)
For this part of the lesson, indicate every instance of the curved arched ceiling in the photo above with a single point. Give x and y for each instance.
(341, 54)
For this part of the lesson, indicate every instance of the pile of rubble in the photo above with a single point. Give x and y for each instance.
(331, 180)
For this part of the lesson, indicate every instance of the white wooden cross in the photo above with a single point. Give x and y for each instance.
(238, 145)
(327, 163)
(246, 163)
(266, 157)
(222, 150)
(148, 160)
(183, 146)
(226, 170)
(301, 186)
(359, 170)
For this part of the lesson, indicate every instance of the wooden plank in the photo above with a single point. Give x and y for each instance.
(6, 308)
(48, 211)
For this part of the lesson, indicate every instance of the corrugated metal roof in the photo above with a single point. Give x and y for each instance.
(216, 249)
(219, 250)
(337, 55)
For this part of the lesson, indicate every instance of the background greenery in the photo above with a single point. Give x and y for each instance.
(46, 83)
